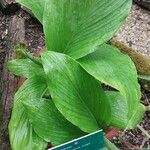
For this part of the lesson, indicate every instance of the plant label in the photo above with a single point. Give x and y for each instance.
(93, 141)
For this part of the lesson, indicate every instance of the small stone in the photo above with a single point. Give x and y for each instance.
(114, 138)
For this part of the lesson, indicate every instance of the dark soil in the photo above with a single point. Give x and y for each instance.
(34, 35)
(136, 139)
(143, 3)
(35, 41)
(3, 36)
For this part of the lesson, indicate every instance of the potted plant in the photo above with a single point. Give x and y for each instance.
(62, 97)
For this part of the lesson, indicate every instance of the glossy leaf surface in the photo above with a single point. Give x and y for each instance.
(38, 114)
(117, 70)
(49, 124)
(119, 104)
(24, 67)
(76, 94)
(21, 134)
(119, 109)
(77, 27)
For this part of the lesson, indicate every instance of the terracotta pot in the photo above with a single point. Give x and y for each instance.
(110, 133)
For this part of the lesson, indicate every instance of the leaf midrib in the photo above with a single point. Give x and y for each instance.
(84, 19)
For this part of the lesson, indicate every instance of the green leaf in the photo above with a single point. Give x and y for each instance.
(50, 124)
(36, 6)
(144, 77)
(21, 134)
(119, 110)
(136, 117)
(109, 145)
(117, 70)
(24, 67)
(40, 115)
(46, 120)
(76, 94)
(119, 104)
(82, 25)
(39, 144)
(77, 27)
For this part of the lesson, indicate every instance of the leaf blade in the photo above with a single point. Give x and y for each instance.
(118, 104)
(48, 124)
(80, 26)
(21, 133)
(24, 68)
(115, 69)
(55, 129)
(77, 101)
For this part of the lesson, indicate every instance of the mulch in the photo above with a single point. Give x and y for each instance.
(35, 40)
(135, 138)
(3, 36)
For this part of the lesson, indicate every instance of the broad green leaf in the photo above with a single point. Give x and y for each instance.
(21, 134)
(109, 145)
(119, 104)
(36, 6)
(46, 120)
(119, 109)
(117, 70)
(24, 67)
(136, 117)
(50, 124)
(40, 115)
(77, 27)
(76, 94)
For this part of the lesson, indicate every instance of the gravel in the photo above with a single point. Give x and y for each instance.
(136, 30)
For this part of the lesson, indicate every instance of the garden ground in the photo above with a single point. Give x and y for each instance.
(135, 33)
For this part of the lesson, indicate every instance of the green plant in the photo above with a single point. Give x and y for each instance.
(144, 77)
(62, 97)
